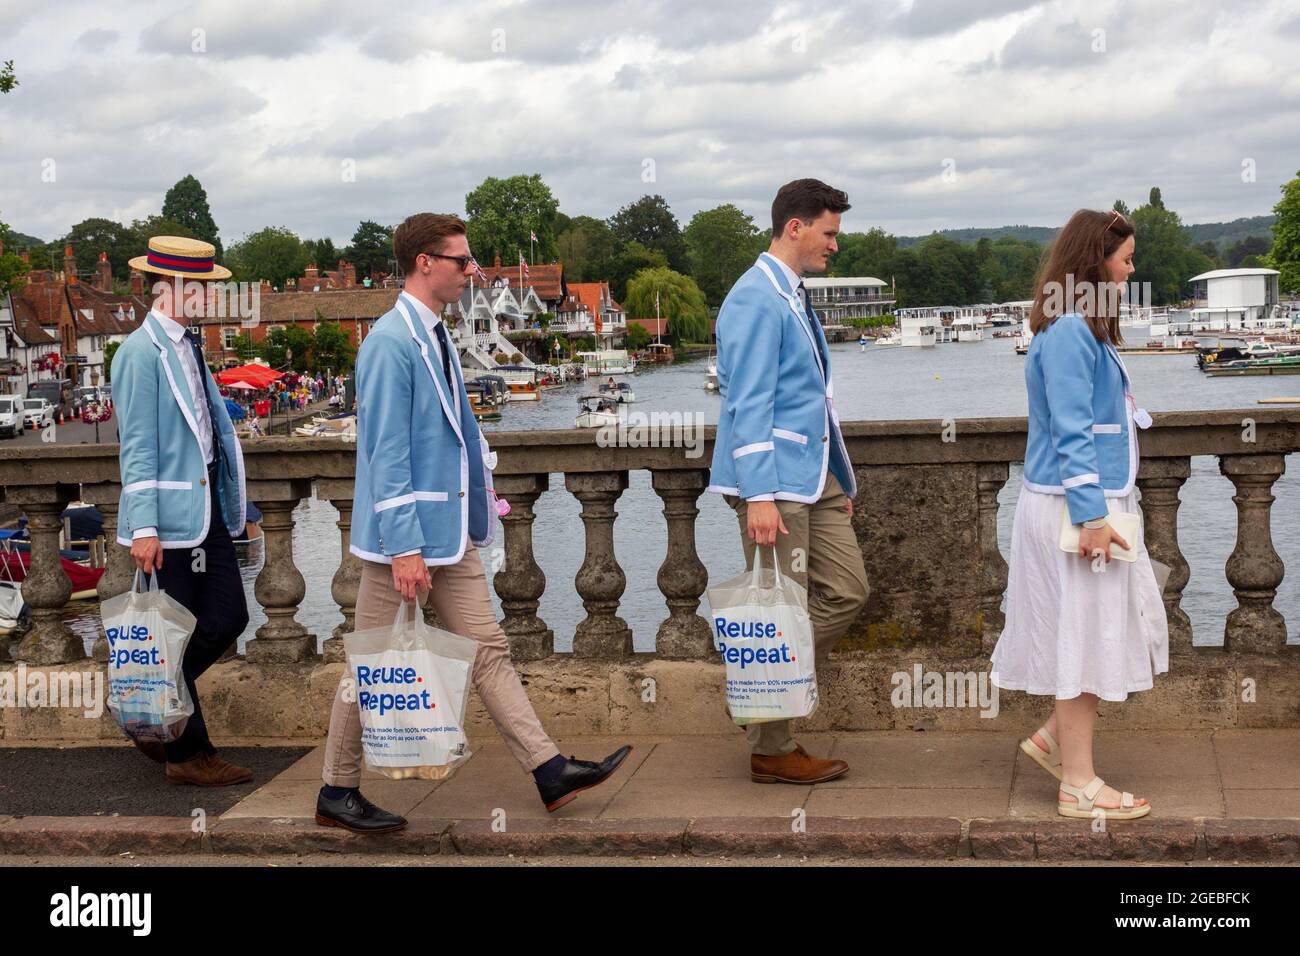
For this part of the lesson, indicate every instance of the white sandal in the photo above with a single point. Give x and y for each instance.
(1086, 794)
(1049, 759)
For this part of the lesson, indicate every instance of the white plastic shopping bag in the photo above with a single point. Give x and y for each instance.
(762, 630)
(147, 636)
(411, 682)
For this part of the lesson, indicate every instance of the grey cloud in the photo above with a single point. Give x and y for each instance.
(934, 17)
(97, 40)
(238, 28)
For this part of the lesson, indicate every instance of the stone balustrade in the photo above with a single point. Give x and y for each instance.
(926, 519)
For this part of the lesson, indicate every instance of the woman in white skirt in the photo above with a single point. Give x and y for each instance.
(1082, 625)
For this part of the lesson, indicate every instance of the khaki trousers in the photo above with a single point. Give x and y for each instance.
(821, 552)
(460, 596)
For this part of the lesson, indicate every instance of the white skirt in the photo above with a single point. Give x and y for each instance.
(1071, 630)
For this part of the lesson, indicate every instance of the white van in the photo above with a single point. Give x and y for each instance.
(11, 416)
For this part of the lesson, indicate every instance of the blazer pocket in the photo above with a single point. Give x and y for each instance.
(790, 436)
(1107, 429)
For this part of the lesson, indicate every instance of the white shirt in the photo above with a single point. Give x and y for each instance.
(194, 379)
(431, 321)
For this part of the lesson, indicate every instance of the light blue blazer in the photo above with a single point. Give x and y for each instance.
(423, 473)
(1082, 440)
(778, 433)
(160, 455)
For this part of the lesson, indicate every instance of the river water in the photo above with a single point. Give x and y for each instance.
(957, 380)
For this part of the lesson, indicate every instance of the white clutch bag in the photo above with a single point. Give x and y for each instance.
(1127, 524)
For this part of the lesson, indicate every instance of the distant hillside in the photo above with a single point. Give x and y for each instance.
(1039, 234)
(1223, 234)
(21, 241)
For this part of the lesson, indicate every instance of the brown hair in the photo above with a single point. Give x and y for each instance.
(805, 200)
(424, 232)
(1074, 278)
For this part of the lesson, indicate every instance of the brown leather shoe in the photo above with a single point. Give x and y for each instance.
(153, 749)
(208, 770)
(798, 766)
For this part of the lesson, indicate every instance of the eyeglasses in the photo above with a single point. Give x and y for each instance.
(461, 261)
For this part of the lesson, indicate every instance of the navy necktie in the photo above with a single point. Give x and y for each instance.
(202, 366)
(445, 347)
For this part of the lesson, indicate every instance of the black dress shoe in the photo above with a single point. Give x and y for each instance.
(354, 812)
(580, 775)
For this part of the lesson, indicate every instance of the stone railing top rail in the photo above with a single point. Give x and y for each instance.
(903, 442)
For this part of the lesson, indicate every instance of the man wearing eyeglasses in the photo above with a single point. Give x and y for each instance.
(423, 503)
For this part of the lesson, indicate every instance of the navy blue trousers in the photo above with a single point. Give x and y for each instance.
(215, 596)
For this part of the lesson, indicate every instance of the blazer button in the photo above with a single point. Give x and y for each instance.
(460, 494)
(203, 481)
(826, 438)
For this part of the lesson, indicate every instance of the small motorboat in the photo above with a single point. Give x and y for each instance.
(621, 392)
(597, 411)
(711, 379)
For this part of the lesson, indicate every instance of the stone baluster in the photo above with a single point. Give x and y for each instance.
(1254, 569)
(682, 577)
(520, 581)
(990, 477)
(120, 569)
(46, 588)
(346, 582)
(1160, 479)
(600, 581)
(279, 586)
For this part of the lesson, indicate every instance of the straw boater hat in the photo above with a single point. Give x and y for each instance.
(177, 256)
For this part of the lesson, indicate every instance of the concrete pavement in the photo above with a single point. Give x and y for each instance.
(1217, 796)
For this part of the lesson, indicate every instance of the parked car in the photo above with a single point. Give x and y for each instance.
(58, 392)
(11, 416)
(37, 413)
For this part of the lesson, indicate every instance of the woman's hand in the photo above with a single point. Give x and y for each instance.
(1092, 540)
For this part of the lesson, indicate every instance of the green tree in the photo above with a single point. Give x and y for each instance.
(864, 254)
(7, 79)
(632, 259)
(110, 349)
(142, 230)
(1121, 207)
(587, 247)
(90, 237)
(1163, 255)
(273, 253)
(331, 347)
(322, 252)
(638, 336)
(502, 213)
(242, 345)
(721, 243)
(278, 341)
(12, 268)
(650, 221)
(1285, 253)
(371, 250)
(187, 204)
(680, 302)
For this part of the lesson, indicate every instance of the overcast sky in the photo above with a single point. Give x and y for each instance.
(929, 113)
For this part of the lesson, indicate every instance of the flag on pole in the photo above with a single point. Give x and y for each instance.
(532, 236)
(523, 264)
(479, 273)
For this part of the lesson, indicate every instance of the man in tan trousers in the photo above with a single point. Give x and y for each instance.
(423, 500)
(779, 458)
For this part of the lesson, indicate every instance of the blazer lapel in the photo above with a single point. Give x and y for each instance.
(175, 376)
(421, 336)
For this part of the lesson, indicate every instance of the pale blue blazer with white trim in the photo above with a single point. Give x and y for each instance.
(160, 455)
(1082, 437)
(778, 433)
(422, 481)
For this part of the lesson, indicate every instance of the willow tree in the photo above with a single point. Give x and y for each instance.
(680, 302)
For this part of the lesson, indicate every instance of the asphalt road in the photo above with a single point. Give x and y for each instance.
(101, 781)
(70, 433)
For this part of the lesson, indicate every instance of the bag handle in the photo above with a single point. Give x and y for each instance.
(400, 621)
(776, 567)
(151, 582)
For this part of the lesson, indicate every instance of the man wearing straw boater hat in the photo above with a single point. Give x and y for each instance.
(182, 483)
